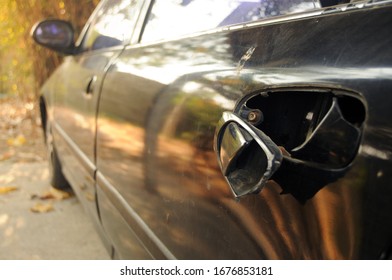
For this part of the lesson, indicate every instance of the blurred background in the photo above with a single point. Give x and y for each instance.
(36, 222)
(25, 65)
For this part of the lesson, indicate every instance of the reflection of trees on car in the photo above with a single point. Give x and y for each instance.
(256, 140)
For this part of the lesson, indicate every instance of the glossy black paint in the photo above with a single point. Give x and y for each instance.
(151, 124)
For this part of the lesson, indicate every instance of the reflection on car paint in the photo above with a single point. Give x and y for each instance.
(151, 122)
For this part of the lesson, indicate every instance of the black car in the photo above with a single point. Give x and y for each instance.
(251, 129)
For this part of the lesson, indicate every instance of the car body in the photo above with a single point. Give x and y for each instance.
(227, 129)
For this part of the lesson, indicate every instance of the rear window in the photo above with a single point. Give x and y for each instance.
(174, 18)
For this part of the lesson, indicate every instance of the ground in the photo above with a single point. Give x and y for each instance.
(36, 221)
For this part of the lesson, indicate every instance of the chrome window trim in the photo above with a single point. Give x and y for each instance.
(275, 20)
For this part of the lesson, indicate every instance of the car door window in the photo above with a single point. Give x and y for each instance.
(173, 18)
(112, 24)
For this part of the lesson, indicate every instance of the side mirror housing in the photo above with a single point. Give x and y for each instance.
(55, 34)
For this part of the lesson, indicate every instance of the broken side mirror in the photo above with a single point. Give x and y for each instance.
(247, 157)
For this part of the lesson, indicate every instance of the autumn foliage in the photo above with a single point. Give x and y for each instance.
(24, 65)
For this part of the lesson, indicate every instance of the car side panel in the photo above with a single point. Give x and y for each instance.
(74, 120)
(120, 152)
(159, 107)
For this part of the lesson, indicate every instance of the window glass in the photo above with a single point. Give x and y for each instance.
(172, 18)
(112, 25)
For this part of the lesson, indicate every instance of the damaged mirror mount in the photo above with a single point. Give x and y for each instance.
(247, 157)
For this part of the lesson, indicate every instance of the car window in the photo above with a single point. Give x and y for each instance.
(173, 18)
(112, 24)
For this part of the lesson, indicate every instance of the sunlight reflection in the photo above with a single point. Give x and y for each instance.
(201, 15)
(371, 151)
(292, 75)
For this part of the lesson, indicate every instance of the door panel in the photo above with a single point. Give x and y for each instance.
(159, 110)
(121, 151)
(75, 121)
(77, 95)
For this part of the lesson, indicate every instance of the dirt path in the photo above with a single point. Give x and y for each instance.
(36, 222)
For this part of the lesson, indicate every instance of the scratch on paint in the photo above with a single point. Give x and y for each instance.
(244, 59)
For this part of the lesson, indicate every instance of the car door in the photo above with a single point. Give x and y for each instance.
(308, 85)
(76, 100)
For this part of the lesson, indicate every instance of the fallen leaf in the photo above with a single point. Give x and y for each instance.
(7, 189)
(45, 196)
(17, 141)
(42, 208)
(52, 194)
(56, 194)
(59, 195)
(6, 156)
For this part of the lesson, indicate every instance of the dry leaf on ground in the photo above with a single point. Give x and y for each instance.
(53, 194)
(17, 141)
(42, 208)
(6, 155)
(58, 194)
(7, 189)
